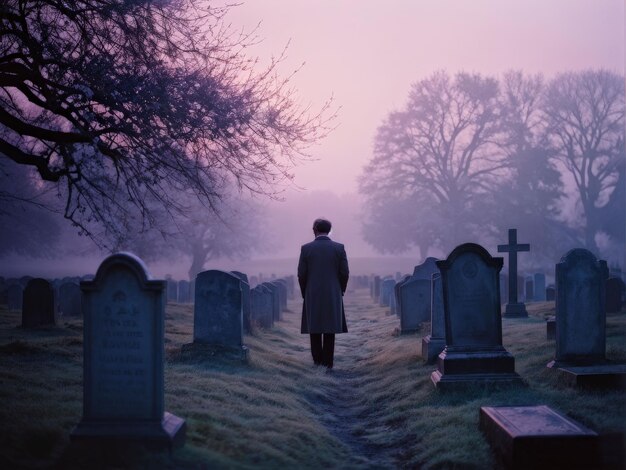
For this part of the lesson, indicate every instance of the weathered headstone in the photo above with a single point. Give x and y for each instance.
(415, 301)
(435, 342)
(282, 292)
(386, 289)
(474, 353)
(69, 299)
(614, 294)
(262, 306)
(539, 280)
(274, 289)
(38, 304)
(525, 437)
(513, 308)
(245, 298)
(15, 295)
(218, 311)
(123, 383)
(392, 301)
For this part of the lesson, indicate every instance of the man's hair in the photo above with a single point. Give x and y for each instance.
(322, 226)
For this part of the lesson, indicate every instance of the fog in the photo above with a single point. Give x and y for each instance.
(366, 55)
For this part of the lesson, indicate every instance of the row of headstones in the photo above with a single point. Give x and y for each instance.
(460, 297)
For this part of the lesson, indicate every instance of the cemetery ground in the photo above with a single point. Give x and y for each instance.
(376, 409)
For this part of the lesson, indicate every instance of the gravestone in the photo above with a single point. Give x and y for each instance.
(123, 349)
(550, 293)
(184, 292)
(614, 294)
(580, 356)
(527, 437)
(415, 301)
(218, 311)
(474, 354)
(172, 290)
(277, 314)
(38, 304)
(262, 306)
(291, 286)
(282, 292)
(245, 298)
(386, 289)
(396, 293)
(529, 288)
(392, 301)
(69, 299)
(514, 308)
(15, 295)
(376, 291)
(435, 342)
(539, 280)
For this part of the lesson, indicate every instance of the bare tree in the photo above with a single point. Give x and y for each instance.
(440, 151)
(584, 112)
(118, 102)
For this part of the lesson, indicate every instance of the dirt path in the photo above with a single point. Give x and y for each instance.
(343, 408)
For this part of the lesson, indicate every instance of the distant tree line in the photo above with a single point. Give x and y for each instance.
(470, 156)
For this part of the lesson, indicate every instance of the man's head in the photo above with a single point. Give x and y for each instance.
(321, 227)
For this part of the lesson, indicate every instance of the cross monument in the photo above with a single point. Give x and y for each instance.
(513, 307)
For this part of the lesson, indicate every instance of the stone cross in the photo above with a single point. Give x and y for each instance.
(513, 307)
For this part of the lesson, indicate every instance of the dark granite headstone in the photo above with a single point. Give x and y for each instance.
(218, 310)
(69, 299)
(539, 281)
(474, 353)
(123, 384)
(435, 342)
(245, 298)
(415, 300)
(525, 437)
(262, 306)
(38, 304)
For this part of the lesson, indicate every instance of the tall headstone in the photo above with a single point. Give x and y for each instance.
(262, 306)
(415, 300)
(274, 290)
(513, 308)
(69, 299)
(38, 304)
(386, 289)
(474, 353)
(539, 280)
(580, 309)
(123, 382)
(435, 342)
(245, 298)
(218, 311)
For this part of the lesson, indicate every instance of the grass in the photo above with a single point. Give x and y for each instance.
(377, 409)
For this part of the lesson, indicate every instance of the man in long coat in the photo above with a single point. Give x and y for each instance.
(323, 278)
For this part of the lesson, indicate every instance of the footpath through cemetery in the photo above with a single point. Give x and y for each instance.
(440, 368)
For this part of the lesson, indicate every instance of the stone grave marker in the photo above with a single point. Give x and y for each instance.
(580, 355)
(172, 289)
(474, 353)
(184, 292)
(282, 292)
(415, 301)
(386, 289)
(514, 308)
(38, 304)
(525, 437)
(123, 382)
(277, 314)
(435, 342)
(245, 298)
(376, 288)
(218, 311)
(69, 299)
(15, 295)
(539, 281)
(262, 306)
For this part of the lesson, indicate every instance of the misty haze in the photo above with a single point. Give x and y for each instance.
(469, 155)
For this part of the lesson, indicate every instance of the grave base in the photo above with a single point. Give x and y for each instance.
(538, 437)
(238, 353)
(167, 434)
(460, 369)
(598, 376)
(431, 347)
(517, 310)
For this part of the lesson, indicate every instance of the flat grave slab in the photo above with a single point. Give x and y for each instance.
(597, 376)
(538, 437)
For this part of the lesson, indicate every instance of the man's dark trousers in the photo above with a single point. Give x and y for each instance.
(323, 349)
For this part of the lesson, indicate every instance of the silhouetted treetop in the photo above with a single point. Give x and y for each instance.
(118, 101)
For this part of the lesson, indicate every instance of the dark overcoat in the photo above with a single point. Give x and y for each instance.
(323, 277)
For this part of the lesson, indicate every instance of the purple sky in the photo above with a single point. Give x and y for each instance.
(366, 53)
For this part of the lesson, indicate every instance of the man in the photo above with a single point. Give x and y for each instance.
(323, 277)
